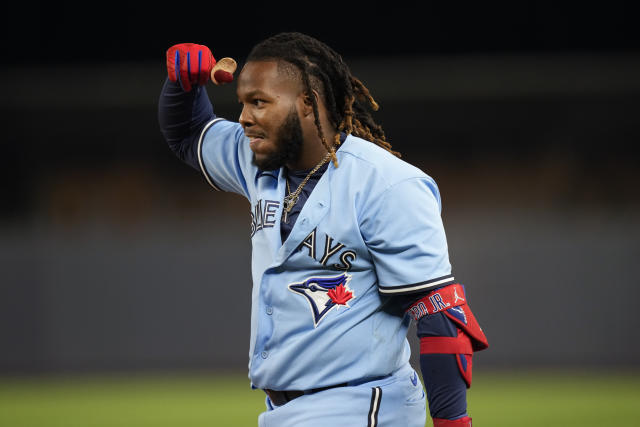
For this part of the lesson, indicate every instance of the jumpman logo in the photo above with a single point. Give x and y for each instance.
(455, 294)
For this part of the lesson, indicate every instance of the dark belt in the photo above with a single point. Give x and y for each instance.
(280, 397)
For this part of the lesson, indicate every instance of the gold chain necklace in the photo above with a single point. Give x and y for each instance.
(291, 199)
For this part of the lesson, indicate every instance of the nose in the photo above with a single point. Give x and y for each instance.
(245, 118)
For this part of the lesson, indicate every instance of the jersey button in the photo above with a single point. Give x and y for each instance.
(264, 354)
(269, 311)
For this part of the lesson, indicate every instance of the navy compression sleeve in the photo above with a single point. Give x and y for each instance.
(446, 389)
(182, 116)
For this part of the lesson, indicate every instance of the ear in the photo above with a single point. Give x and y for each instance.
(307, 103)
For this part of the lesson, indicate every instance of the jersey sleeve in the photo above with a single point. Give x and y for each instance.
(404, 233)
(225, 158)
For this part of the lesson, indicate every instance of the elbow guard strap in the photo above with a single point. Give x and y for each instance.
(459, 346)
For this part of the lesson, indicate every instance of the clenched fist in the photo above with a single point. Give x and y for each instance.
(189, 64)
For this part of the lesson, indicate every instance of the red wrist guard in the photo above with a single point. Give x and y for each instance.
(460, 422)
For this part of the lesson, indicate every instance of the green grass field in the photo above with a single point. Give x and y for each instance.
(539, 399)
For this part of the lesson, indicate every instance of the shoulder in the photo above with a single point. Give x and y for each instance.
(368, 163)
(221, 128)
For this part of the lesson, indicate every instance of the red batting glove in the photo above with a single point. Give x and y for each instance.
(189, 64)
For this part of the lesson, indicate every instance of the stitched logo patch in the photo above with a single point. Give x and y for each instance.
(324, 294)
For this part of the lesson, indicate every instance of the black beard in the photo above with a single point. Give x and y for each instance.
(288, 144)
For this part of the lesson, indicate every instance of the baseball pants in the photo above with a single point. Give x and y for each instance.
(394, 401)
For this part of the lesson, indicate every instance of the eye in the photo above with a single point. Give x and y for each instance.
(258, 102)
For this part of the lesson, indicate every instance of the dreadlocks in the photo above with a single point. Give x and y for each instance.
(348, 100)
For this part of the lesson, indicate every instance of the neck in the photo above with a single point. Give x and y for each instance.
(312, 154)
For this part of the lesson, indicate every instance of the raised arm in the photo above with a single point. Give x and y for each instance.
(182, 117)
(214, 146)
(184, 107)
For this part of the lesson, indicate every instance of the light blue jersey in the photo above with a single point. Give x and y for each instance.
(321, 313)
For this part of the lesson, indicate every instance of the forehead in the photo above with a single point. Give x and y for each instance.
(267, 77)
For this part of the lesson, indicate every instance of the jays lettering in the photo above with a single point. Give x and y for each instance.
(263, 215)
(333, 254)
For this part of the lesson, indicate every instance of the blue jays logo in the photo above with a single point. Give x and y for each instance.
(324, 294)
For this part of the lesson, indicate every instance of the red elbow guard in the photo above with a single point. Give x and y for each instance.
(460, 422)
(451, 300)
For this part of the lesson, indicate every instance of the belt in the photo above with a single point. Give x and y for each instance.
(280, 397)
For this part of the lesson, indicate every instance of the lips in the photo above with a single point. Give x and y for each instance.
(254, 144)
(255, 141)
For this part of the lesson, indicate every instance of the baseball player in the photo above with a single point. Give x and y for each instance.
(348, 245)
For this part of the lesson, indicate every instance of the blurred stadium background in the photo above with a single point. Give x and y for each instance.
(125, 285)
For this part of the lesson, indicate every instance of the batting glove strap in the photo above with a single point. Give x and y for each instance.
(460, 422)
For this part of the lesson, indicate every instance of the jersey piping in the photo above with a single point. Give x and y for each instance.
(438, 281)
(200, 162)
